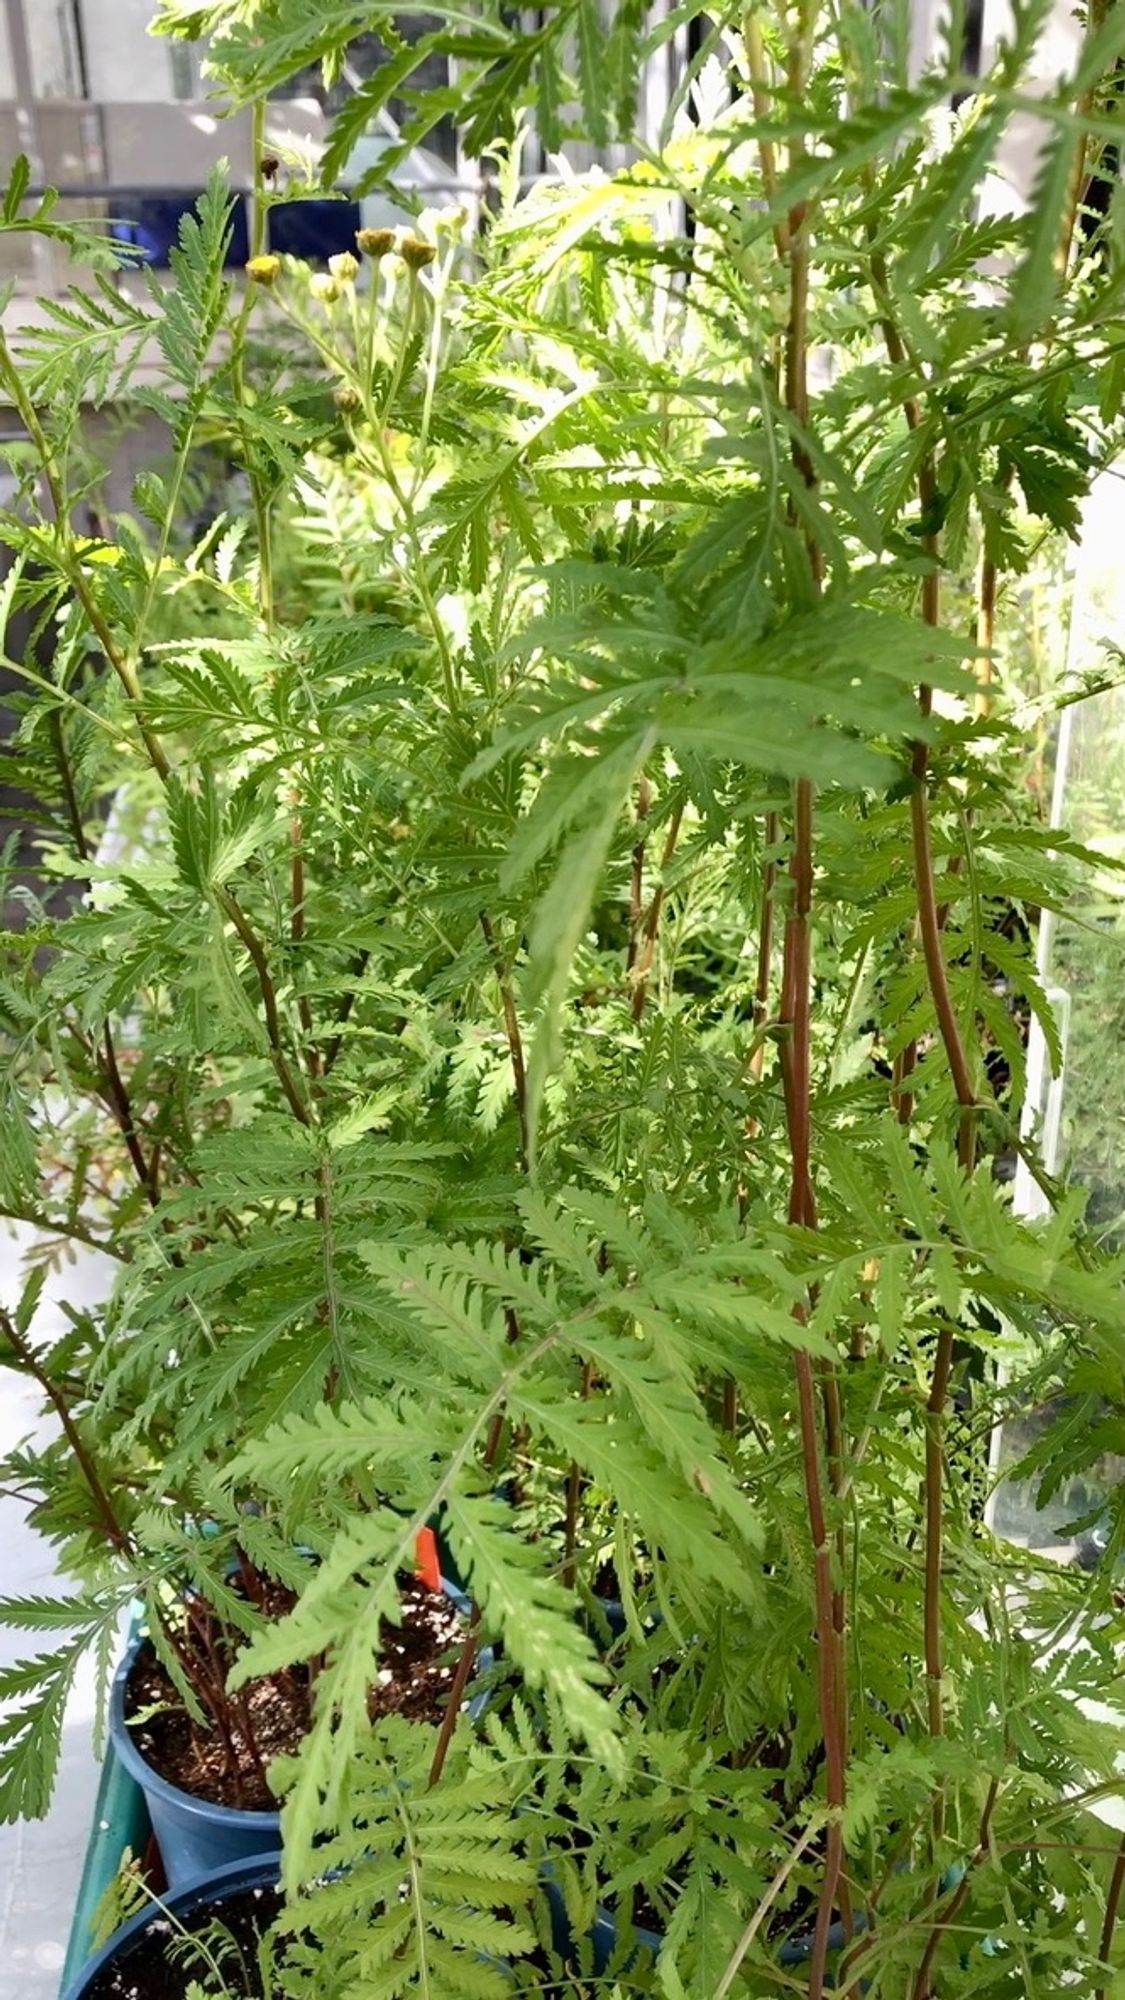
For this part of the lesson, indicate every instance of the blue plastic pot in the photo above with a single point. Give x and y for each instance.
(604, 1931)
(197, 1836)
(262, 1871)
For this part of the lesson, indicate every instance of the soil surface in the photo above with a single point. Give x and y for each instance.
(270, 1717)
(418, 1657)
(162, 1965)
(262, 1721)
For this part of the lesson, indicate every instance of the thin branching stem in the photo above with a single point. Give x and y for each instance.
(642, 967)
(115, 1532)
(795, 1013)
(71, 565)
(761, 1912)
(512, 1032)
(637, 873)
(294, 1097)
(1112, 1911)
(930, 922)
(113, 1083)
(923, 1984)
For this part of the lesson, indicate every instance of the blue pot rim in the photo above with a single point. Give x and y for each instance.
(188, 1804)
(795, 1951)
(257, 1871)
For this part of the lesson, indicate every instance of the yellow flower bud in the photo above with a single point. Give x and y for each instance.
(344, 267)
(346, 398)
(375, 243)
(324, 287)
(416, 254)
(264, 270)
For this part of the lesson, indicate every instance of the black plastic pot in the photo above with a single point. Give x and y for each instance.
(207, 1891)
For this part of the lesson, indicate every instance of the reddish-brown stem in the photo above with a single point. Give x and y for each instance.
(929, 924)
(249, 1737)
(208, 1678)
(1095, 20)
(929, 927)
(904, 1065)
(730, 1406)
(258, 959)
(643, 966)
(931, 920)
(796, 1003)
(831, 1694)
(637, 874)
(120, 1104)
(834, 1442)
(574, 1494)
(795, 1014)
(829, 1668)
(1112, 1911)
(344, 1011)
(297, 933)
(456, 1697)
(116, 1094)
(986, 631)
(765, 934)
(115, 1534)
(758, 1053)
(469, 1649)
(211, 1684)
(922, 1989)
(512, 1031)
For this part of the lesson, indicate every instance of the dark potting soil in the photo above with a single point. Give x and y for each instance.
(273, 1714)
(161, 1964)
(419, 1657)
(646, 1916)
(264, 1720)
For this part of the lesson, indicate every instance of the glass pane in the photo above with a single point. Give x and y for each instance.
(1079, 1118)
(124, 62)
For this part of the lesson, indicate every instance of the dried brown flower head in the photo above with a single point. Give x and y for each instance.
(416, 254)
(375, 243)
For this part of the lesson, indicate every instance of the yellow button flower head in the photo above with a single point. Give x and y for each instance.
(345, 267)
(264, 270)
(375, 243)
(416, 254)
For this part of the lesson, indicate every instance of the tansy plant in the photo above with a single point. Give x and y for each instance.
(546, 1055)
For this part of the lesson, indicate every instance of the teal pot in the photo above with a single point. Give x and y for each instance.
(120, 1827)
(133, 1959)
(196, 1836)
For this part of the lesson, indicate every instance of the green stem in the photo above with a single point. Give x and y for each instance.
(259, 495)
(72, 566)
(76, 1231)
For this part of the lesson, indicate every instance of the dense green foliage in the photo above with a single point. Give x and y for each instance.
(544, 1031)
